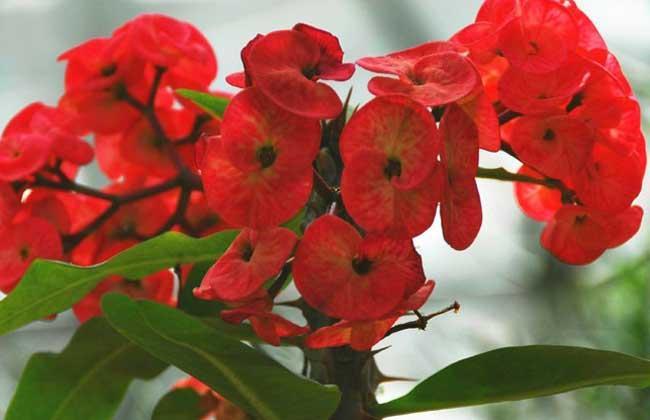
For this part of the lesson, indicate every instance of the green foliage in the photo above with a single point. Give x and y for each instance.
(254, 382)
(179, 404)
(517, 373)
(87, 380)
(49, 287)
(213, 105)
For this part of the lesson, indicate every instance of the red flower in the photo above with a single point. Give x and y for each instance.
(609, 181)
(286, 66)
(362, 335)
(350, 277)
(537, 201)
(389, 148)
(177, 46)
(268, 326)
(55, 124)
(253, 258)
(432, 74)
(98, 73)
(579, 235)
(22, 155)
(541, 38)
(558, 146)
(22, 242)
(259, 173)
(460, 205)
(542, 94)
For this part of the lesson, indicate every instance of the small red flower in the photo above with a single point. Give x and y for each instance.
(259, 173)
(557, 146)
(542, 94)
(610, 182)
(22, 243)
(177, 46)
(433, 79)
(389, 148)
(579, 235)
(253, 258)
(286, 66)
(350, 277)
(57, 125)
(98, 73)
(22, 155)
(541, 38)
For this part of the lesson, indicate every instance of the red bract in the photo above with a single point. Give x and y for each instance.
(174, 45)
(286, 66)
(268, 326)
(542, 94)
(21, 244)
(350, 277)
(478, 107)
(433, 80)
(97, 75)
(55, 124)
(401, 130)
(259, 173)
(579, 235)
(537, 201)
(402, 62)
(460, 204)
(609, 181)
(541, 38)
(242, 79)
(362, 335)
(330, 66)
(22, 155)
(253, 258)
(558, 146)
(389, 148)
(258, 135)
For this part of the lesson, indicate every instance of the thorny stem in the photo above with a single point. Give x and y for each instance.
(421, 322)
(185, 180)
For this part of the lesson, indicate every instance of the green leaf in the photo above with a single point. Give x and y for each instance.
(87, 380)
(49, 287)
(213, 105)
(179, 404)
(517, 373)
(252, 381)
(191, 304)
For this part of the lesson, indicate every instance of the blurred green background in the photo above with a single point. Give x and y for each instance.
(511, 291)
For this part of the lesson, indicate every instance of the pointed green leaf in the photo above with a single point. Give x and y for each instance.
(214, 105)
(179, 404)
(87, 380)
(241, 374)
(49, 287)
(517, 373)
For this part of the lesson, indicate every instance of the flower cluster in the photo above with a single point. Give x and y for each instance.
(120, 90)
(573, 121)
(532, 78)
